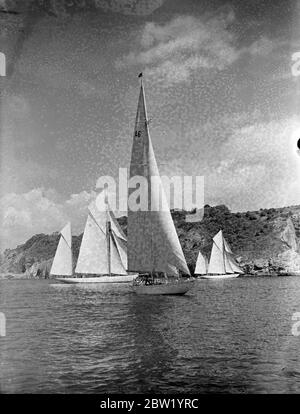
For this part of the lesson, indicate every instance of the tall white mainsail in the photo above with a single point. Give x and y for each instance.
(153, 244)
(216, 262)
(103, 247)
(62, 262)
(201, 265)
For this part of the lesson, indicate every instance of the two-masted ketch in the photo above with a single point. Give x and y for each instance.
(154, 250)
(222, 264)
(103, 251)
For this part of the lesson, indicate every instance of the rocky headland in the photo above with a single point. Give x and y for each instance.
(265, 242)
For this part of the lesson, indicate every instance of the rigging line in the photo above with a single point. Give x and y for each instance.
(217, 246)
(70, 247)
(90, 213)
(224, 254)
(117, 249)
(116, 224)
(118, 237)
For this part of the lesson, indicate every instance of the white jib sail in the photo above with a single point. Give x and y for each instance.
(227, 262)
(62, 262)
(234, 266)
(153, 244)
(201, 265)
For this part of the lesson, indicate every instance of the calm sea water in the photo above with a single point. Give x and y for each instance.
(225, 336)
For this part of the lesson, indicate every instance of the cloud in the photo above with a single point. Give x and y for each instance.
(177, 71)
(176, 49)
(262, 46)
(247, 163)
(40, 211)
(257, 167)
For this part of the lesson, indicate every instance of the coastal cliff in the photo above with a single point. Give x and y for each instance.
(264, 242)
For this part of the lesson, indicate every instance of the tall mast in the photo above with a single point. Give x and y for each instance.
(108, 231)
(108, 234)
(153, 244)
(223, 248)
(146, 173)
(146, 168)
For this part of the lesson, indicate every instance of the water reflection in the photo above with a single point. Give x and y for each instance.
(228, 337)
(153, 353)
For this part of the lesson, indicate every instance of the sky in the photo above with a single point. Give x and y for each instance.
(221, 95)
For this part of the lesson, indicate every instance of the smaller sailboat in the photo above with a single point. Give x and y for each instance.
(62, 264)
(201, 265)
(222, 264)
(103, 251)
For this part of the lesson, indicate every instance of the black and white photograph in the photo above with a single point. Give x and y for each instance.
(149, 200)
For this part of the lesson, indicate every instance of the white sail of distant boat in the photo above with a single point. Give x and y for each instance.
(153, 244)
(222, 263)
(62, 262)
(103, 250)
(201, 265)
(230, 262)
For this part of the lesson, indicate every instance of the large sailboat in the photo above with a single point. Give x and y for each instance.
(222, 264)
(154, 250)
(103, 251)
(62, 264)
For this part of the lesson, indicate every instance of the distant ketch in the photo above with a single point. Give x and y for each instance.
(103, 251)
(222, 264)
(154, 250)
